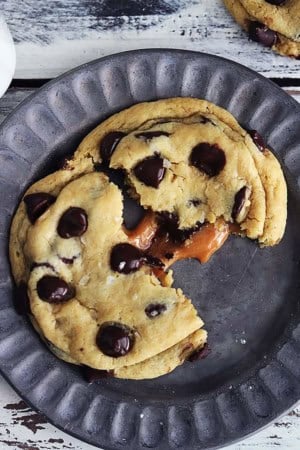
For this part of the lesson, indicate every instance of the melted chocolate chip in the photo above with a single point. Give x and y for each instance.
(94, 375)
(169, 255)
(208, 158)
(54, 290)
(150, 171)
(115, 340)
(109, 144)
(257, 139)
(276, 2)
(169, 223)
(37, 204)
(21, 299)
(259, 32)
(72, 223)
(148, 135)
(155, 309)
(239, 202)
(199, 354)
(126, 258)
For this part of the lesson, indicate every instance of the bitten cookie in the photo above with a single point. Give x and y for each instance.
(100, 294)
(273, 23)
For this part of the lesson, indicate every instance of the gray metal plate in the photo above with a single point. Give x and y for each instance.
(249, 297)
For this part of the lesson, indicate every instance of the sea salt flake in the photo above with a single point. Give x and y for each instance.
(110, 280)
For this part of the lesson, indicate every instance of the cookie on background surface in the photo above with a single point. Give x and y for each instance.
(272, 23)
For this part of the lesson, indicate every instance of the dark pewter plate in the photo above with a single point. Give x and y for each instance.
(249, 297)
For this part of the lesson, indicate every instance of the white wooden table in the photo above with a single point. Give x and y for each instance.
(54, 36)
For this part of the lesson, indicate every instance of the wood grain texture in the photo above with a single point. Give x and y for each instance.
(24, 429)
(52, 37)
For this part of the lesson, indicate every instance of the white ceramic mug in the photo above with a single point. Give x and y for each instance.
(7, 56)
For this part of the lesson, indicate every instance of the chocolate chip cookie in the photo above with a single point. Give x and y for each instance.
(90, 290)
(272, 23)
(190, 158)
(100, 294)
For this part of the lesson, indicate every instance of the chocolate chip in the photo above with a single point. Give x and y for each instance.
(199, 354)
(155, 309)
(148, 135)
(169, 255)
(72, 223)
(21, 299)
(258, 140)
(208, 158)
(94, 375)
(150, 171)
(259, 32)
(109, 144)
(37, 204)
(115, 340)
(126, 258)
(54, 290)
(276, 2)
(239, 201)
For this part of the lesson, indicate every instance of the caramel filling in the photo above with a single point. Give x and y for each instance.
(201, 245)
(144, 233)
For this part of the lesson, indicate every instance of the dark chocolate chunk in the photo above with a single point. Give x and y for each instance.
(37, 204)
(257, 139)
(54, 290)
(72, 223)
(21, 299)
(208, 158)
(150, 171)
(276, 2)
(169, 255)
(109, 144)
(94, 375)
(199, 354)
(115, 340)
(239, 202)
(259, 32)
(126, 258)
(148, 135)
(155, 309)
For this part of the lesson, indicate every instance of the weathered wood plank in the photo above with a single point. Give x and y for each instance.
(22, 428)
(53, 37)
